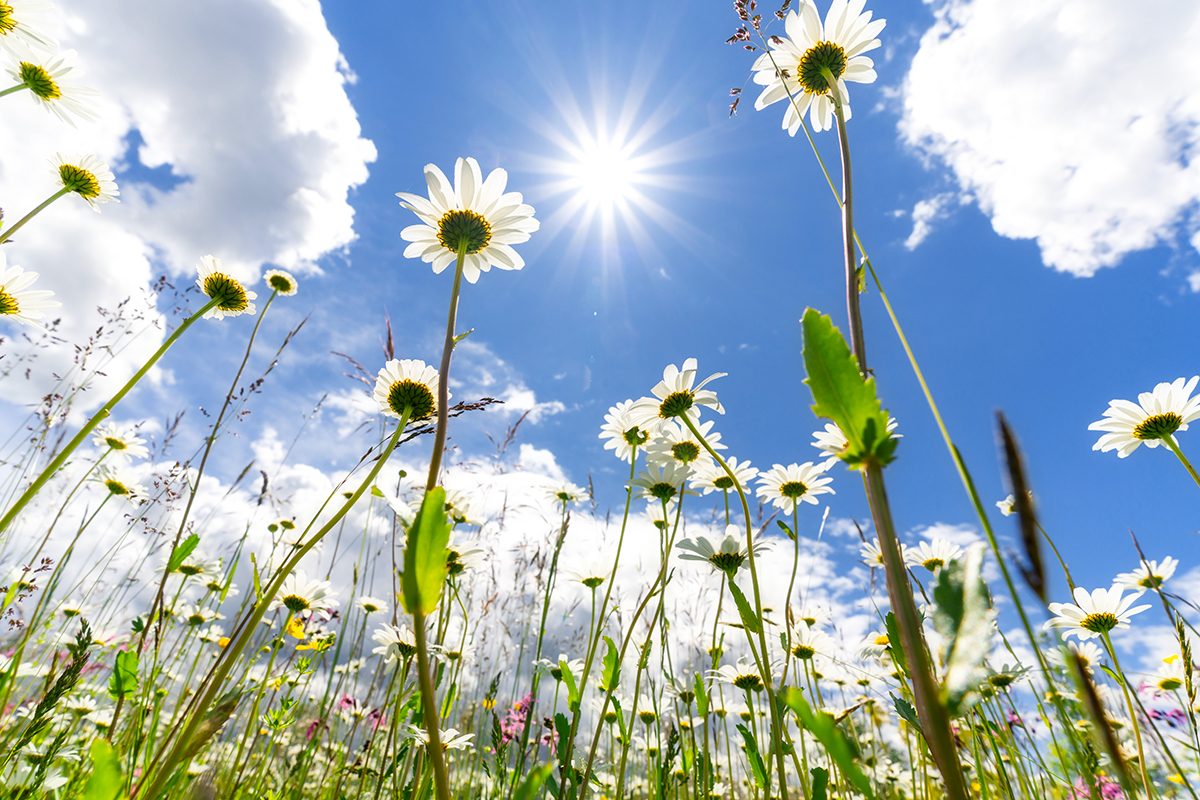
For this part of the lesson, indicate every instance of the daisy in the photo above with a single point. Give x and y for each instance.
(407, 386)
(450, 737)
(459, 559)
(1095, 613)
(1088, 652)
(20, 303)
(1170, 675)
(661, 515)
(90, 178)
(787, 487)
(1148, 575)
(118, 486)
(460, 507)
(475, 217)
(22, 25)
(567, 493)
(661, 482)
(871, 555)
(678, 394)
(742, 675)
(371, 605)
(554, 668)
(283, 283)
(709, 477)
(801, 64)
(932, 555)
(833, 443)
(396, 642)
(808, 642)
(299, 594)
(676, 443)
(727, 555)
(1155, 417)
(233, 299)
(120, 442)
(45, 82)
(623, 434)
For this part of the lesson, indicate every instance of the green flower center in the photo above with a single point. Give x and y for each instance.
(723, 482)
(412, 396)
(454, 563)
(687, 452)
(793, 490)
(8, 303)
(190, 570)
(295, 603)
(79, 180)
(647, 717)
(1100, 622)
(405, 649)
(1002, 680)
(932, 564)
(465, 230)
(662, 491)
(592, 582)
(675, 404)
(748, 681)
(803, 651)
(7, 23)
(195, 619)
(228, 292)
(280, 283)
(116, 487)
(1159, 426)
(1151, 582)
(635, 436)
(114, 443)
(818, 58)
(1169, 684)
(38, 81)
(729, 563)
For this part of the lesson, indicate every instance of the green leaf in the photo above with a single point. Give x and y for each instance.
(425, 554)
(532, 783)
(212, 723)
(749, 619)
(839, 748)
(820, 783)
(616, 704)
(106, 780)
(701, 696)
(182, 551)
(841, 394)
(895, 643)
(784, 527)
(572, 689)
(906, 711)
(962, 614)
(757, 767)
(125, 674)
(611, 677)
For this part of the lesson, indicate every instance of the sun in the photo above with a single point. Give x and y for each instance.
(605, 171)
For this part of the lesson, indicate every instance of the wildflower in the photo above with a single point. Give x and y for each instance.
(233, 299)
(567, 493)
(450, 737)
(787, 487)
(742, 675)
(475, 217)
(20, 303)
(1088, 652)
(299, 594)
(21, 25)
(1006, 675)
(661, 482)
(678, 394)
(407, 387)
(460, 507)
(282, 283)
(676, 443)
(45, 82)
(808, 642)
(802, 63)
(727, 555)
(1109, 788)
(622, 433)
(591, 580)
(121, 442)
(932, 555)
(90, 178)
(371, 605)
(1148, 575)
(396, 642)
(119, 486)
(515, 718)
(554, 668)
(459, 559)
(1095, 613)
(709, 476)
(1156, 416)
(1171, 674)
(871, 555)
(833, 443)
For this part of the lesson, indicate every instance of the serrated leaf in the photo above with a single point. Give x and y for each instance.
(610, 678)
(182, 551)
(124, 678)
(701, 696)
(895, 643)
(757, 767)
(906, 711)
(425, 554)
(573, 697)
(841, 394)
(749, 619)
(962, 614)
(836, 744)
(106, 780)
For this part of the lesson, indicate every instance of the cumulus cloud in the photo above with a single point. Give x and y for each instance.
(925, 214)
(1058, 128)
(480, 372)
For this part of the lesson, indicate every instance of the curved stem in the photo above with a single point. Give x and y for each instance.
(1173, 445)
(4, 237)
(16, 88)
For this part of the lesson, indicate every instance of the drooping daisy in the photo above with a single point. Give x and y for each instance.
(407, 385)
(283, 283)
(1148, 575)
(660, 482)
(802, 63)
(676, 443)
(299, 593)
(1095, 613)
(786, 487)
(22, 26)
(460, 506)
(88, 177)
(120, 442)
(662, 516)
(396, 642)
(48, 83)
(233, 298)
(474, 216)
(459, 559)
(832, 442)
(371, 605)
(678, 394)
(1156, 416)
(709, 477)
(932, 555)
(741, 675)
(622, 433)
(726, 555)
(20, 303)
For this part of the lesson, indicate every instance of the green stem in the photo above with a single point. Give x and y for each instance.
(1173, 445)
(96, 419)
(439, 437)
(1133, 720)
(4, 237)
(16, 88)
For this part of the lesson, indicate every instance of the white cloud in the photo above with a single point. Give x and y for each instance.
(924, 214)
(479, 372)
(1061, 129)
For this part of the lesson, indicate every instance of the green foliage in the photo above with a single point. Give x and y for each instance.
(125, 674)
(757, 768)
(820, 783)
(840, 748)
(107, 779)
(610, 678)
(573, 697)
(182, 551)
(425, 554)
(841, 394)
(531, 785)
(749, 619)
(963, 615)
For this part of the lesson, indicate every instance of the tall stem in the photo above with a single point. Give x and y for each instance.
(443, 418)
(96, 419)
(1173, 445)
(4, 237)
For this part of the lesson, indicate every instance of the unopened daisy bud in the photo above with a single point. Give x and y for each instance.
(407, 387)
(90, 178)
(233, 298)
(283, 283)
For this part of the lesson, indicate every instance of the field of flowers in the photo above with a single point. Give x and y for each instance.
(373, 642)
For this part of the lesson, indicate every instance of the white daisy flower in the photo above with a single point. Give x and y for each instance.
(622, 432)
(678, 394)
(90, 178)
(871, 555)
(932, 555)
(20, 303)
(119, 486)
(1089, 653)
(450, 737)
(743, 675)
(659, 482)
(1148, 575)
(48, 83)
(786, 487)
(23, 24)
(459, 559)
(1095, 613)
(797, 63)
(709, 477)
(371, 605)
(407, 385)
(280, 282)
(299, 593)
(726, 555)
(554, 668)
(832, 442)
(1156, 416)
(567, 493)
(233, 298)
(474, 215)
(1170, 675)
(121, 442)
(396, 642)
(808, 642)
(676, 443)
(461, 506)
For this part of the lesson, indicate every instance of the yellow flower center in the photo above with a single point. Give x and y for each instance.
(281, 284)
(412, 396)
(816, 60)
(228, 292)
(1159, 426)
(793, 490)
(79, 180)
(463, 229)
(7, 23)
(1100, 622)
(39, 81)
(8, 303)
(114, 443)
